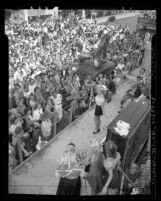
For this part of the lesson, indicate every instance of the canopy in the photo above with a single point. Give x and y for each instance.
(90, 69)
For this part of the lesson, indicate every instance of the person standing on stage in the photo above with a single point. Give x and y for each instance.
(112, 177)
(70, 170)
(100, 100)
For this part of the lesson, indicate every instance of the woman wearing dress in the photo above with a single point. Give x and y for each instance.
(94, 168)
(112, 177)
(100, 100)
(103, 176)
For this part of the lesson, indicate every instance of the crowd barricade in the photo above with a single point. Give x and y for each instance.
(70, 113)
(79, 106)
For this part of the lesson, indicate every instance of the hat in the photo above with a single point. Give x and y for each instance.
(71, 144)
(70, 148)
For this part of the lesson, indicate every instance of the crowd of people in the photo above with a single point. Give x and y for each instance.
(43, 60)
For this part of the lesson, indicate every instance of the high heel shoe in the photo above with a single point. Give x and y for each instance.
(96, 132)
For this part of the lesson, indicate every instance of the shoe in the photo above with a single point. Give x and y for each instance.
(96, 132)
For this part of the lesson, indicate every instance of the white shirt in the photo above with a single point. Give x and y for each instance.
(99, 99)
(31, 88)
(36, 114)
(17, 76)
(111, 162)
(120, 66)
(26, 94)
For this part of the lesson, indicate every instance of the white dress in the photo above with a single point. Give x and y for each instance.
(58, 105)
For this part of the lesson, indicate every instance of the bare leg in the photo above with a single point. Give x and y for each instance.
(97, 121)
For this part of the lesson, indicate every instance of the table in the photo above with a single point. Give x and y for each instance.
(138, 116)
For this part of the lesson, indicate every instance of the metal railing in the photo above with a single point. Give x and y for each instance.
(70, 113)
